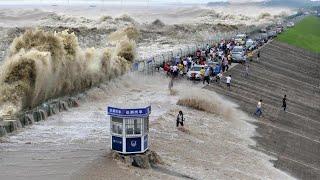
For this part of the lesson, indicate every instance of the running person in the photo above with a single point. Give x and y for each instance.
(207, 76)
(180, 119)
(259, 110)
(284, 103)
(229, 81)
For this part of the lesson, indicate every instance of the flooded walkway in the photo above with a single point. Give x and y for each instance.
(75, 144)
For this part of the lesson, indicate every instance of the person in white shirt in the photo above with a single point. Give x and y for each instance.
(175, 70)
(185, 64)
(229, 81)
(180, 119)
(258, 110)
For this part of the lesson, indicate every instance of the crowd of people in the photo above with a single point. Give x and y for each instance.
(213, 60)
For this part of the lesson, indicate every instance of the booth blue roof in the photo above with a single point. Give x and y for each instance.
(132, 112)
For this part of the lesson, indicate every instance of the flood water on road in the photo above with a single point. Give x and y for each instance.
(76, 144)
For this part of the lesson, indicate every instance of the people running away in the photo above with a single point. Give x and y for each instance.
(175, 71)
(202, 72)
(180, 119)
(226, 63)
(259, 110)
(219, 77)
(229, 81)
(284, 103)
(207, 76)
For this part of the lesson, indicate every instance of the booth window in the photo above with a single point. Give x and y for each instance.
(116, 125)
(146, 125)
(133, 126)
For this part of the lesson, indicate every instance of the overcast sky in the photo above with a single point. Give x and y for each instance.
(132, 1)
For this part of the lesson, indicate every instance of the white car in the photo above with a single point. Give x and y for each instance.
(194, 72)
(279, 29)
(290, 24)
(238, 54)
(251, 44)
(240, 38)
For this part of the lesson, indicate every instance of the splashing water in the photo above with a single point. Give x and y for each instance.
(43, 65)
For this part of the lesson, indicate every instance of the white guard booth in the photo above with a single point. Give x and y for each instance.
(129, 129)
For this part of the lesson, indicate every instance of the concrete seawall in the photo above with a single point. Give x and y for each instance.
(293, 136)
(9, 124)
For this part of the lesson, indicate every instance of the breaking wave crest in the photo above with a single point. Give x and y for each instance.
(43, 65)
(207, 101)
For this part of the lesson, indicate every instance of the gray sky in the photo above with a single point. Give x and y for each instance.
(118, 1)
(128, 1)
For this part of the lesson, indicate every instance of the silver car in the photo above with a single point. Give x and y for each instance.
(251, 44)
(238, 54)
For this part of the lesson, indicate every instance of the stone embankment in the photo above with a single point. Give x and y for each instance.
(9, 124)
(292, 136)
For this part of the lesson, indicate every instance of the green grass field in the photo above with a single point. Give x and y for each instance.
(305, 34)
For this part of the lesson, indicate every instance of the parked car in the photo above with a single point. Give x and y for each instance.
(271, 34)
(279, 29)
(260, 42)
(263, 30)
(238, 54)
(279, 23)
(251, 44)
(264, 37)
(290, 24)
(240, 39)
(212, 62)
(194, 72)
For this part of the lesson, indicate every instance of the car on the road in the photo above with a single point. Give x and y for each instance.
(290, 24)
(240, 39)
(194, 72)
(238, 54)
(279, 23)
(251, 44)
(263, 30)
(264, 37)
(279, 29)
(260, 42)
(212, 62)
(271, 34)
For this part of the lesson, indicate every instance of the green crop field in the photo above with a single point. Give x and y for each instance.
(305, 34)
